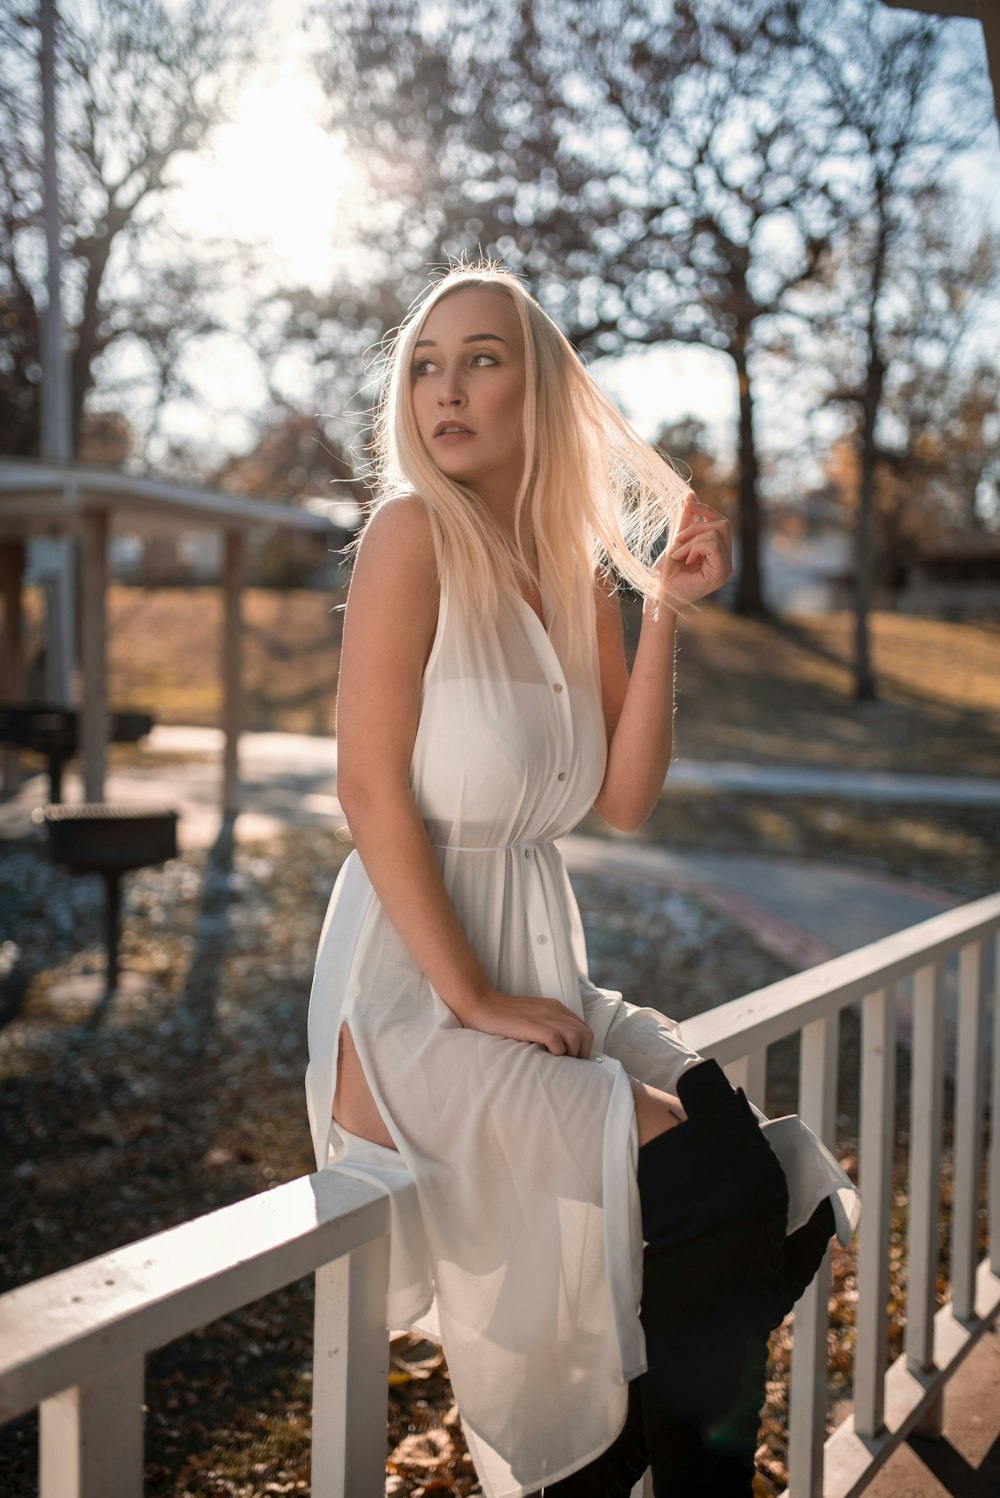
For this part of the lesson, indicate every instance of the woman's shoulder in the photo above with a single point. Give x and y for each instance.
(398, 541)
(400, 519)
(392, 602)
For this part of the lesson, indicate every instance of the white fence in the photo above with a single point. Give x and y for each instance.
(74, 1343)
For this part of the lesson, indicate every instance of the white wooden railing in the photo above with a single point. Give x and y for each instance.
(74, 1343)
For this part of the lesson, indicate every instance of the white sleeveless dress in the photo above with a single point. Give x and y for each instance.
(520, 1248)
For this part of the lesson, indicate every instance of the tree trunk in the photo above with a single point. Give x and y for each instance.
(748, 597)
(864, 678)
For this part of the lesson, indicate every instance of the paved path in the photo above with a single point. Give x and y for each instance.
(805, 911)
(300, 750)
(850, 785)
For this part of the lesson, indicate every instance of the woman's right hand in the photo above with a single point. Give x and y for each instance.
(547, 1022)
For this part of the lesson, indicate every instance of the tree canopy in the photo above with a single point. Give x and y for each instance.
(137, 85)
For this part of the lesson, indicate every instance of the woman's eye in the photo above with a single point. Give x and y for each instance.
(488, 357)
(421, 366)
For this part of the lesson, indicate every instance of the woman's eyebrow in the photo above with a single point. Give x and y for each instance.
(472, 338)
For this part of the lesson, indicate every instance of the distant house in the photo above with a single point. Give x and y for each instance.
(804, 574)
(956, 578)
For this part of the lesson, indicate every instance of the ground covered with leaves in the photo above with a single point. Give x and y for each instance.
(185, 1094)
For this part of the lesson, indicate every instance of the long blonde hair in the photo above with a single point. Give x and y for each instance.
(597, 495)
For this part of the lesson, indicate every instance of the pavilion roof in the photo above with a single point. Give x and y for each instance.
(40, 497)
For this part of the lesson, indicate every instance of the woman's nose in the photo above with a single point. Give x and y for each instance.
(450, 390)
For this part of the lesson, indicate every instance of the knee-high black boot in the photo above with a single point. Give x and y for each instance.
(719, 1274)
(714, 1204)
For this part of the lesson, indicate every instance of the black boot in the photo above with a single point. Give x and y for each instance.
(714, 1207)
(803, 1254)
(719, 1274)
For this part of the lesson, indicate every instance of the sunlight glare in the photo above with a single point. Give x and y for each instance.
(276, 176)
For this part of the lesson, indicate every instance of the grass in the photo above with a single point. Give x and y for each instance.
(747, 690)
(775, 694)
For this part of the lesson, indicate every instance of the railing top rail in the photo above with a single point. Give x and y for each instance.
(768, 1014)
(62, 1330)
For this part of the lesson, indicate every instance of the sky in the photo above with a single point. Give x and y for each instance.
(276, 175)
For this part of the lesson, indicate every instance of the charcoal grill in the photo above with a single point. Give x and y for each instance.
(55, 732)
(97, 837)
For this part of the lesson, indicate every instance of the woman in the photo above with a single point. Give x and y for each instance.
(456, 1040)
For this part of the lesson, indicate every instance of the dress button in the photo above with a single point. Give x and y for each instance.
(557, 686)
(527, 852)
(561, 775)
(542, 940)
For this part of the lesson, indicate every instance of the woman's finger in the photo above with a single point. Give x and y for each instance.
(700, 529)
(693, 549)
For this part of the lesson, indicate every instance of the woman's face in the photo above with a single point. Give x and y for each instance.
(467, 381)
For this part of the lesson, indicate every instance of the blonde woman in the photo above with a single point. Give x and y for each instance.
(584, 1212)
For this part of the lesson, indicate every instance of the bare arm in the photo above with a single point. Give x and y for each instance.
(639, 710)
(388, 631)
(638, 713)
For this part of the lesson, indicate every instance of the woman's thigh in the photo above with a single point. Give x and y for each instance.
(353, 1104)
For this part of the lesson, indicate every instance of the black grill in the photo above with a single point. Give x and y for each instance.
(55, 732)
(97, 837)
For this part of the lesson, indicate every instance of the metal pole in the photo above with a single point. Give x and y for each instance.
(112, 927)
(56, 438)
(56, 425)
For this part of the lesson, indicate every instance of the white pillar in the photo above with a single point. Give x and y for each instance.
(94, 689)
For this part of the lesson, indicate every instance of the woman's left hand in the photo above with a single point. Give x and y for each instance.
(700, 556)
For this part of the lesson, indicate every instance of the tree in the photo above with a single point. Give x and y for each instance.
(138, 84)
(885, 75)
(936, 440)
(942, 391)
(653, 173)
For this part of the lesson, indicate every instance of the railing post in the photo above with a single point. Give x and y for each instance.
(968, 1130)
(878, 1115)
(926, 1114)
(926, 1118)
(750, 1073)
(807, 1386)
(91, 1437)
(351, 1374)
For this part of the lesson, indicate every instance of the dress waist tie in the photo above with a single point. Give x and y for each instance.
(541, 842)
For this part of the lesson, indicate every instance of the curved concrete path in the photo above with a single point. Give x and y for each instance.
(803, 910)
